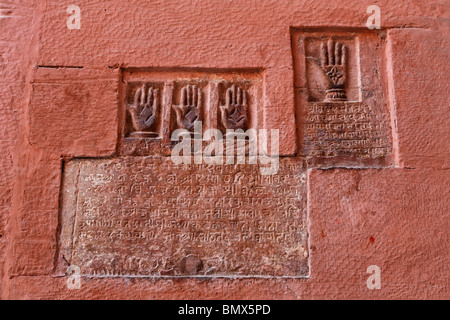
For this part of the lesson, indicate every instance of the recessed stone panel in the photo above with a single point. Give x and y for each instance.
(145, 216)
(343, 114)
(156, 102)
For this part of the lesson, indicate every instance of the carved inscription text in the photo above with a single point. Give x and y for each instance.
(344, 129)
(145, 216)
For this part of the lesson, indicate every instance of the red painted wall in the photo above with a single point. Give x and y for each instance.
(59, 97)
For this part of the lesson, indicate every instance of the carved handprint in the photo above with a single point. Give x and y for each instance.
(234, 113)
(189, 109)
(333, 58)
(143, 110)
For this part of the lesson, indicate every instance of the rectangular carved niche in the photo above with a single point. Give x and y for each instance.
(342, 111)
(145, 216)
(157, 102)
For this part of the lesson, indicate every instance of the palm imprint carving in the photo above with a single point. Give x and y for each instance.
(234, 113)
(333, 57)
(143, 111)
(189, 109)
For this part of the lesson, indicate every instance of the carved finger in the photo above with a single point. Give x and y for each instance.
(135, 119)
(324, 54)
(150, 107)
(344, 55)
(239, 96)
(189, 95)
(224, 111)
(244, 98)
(199, 100)
(142, 102)
(228, 97)
(337, 53)
(183, 100)
(331, 59)
(150, 96)
(233, 94)
(155, 98)
(179, 111)
(194, 95)
(132, 109)
(137, 96)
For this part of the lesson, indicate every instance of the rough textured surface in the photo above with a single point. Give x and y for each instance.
(14, 62)
(422, 107)
(395, 219)
(140, 216)
(83, 99)
(61, 98)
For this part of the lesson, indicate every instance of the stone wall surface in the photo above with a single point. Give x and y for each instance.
(86, 178)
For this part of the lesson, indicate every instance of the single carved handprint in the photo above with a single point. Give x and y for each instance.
(234, 113)
(189, 109)
(143, 110)
(333, 57)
